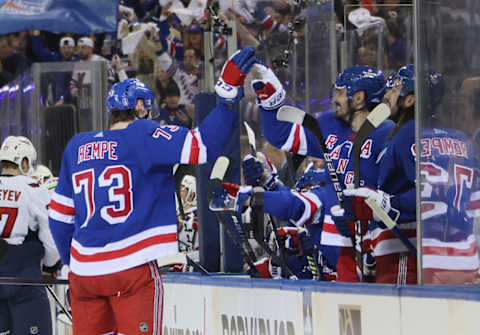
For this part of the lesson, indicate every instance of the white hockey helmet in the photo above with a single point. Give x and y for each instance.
(42, 173)
(15, 148)
(190, 184)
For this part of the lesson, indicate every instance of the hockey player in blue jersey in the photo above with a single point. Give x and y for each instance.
(447, 169)
(450, 186)
(396, 188)
(113, 211)
(301, 208)
(357, 91)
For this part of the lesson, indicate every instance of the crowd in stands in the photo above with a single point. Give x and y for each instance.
(161, 43)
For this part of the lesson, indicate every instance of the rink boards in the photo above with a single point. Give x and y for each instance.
(196, 305)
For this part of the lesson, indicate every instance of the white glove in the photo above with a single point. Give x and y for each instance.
(362, 211)
(269, 90)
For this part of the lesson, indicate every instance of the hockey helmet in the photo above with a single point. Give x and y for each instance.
(124, 95)
(42, 173)
(434, 85)
(406, 75)
(189, 183)
(15, 148)
(311, 178)
(363, 78)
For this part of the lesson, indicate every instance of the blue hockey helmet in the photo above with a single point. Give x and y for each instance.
(124, 95)
(363, 78)
(406, 75)
(435, 89)
(311, 178)
(434, 84)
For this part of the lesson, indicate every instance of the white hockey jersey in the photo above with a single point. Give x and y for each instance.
(188, 234)
(23, 206)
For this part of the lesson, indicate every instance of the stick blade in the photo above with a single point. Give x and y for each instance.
(380, 213)
(220, 168)
(291, 114)
(379, 114)
(250, 135)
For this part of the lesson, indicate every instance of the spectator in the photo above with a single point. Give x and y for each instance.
(187, 79)
(194, 39)
(81, 78)
(66, 48)
(174, 113)
(11, 63)
(163, 82)
(59, 80)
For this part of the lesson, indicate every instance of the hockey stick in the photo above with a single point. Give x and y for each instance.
(257, 204)
(32, 281)
(379, 114)
(257, 207)
(177, 169)
(235, 231)
(59, 303)
(181, 258)
(298, 116)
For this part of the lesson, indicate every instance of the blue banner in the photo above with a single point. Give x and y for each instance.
(69, 16)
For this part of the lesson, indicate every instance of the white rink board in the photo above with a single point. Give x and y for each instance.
(440, 316)
(361, 314)
(241, 306)
(185, 308)
(203, 310)
(262, 310)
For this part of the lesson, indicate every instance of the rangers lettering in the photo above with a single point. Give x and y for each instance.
(366, 149)
(342, 165)
(330, 142)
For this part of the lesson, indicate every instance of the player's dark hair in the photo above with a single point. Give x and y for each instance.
(405, 115)
(125, 115)
(8, 165)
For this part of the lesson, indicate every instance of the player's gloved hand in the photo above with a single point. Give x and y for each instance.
(268, 270)
(354, 203)
(229, 87)
(259, 171)
(269, 90)
(230, 197)
(343, 222)
(306, 243)
(344, 218)
(289, 237)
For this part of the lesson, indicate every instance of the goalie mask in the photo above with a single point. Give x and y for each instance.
(42, 173)
(189, 185)
(15, 148)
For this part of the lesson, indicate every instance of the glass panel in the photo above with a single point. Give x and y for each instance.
(448, 69)
(379, 35)
(15, 107)
(53, 101)
(298, 43)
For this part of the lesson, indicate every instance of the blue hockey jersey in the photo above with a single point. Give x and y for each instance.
(449, 191)
(114, 206)
(397, 178)
(305, 209)
(339, 142)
